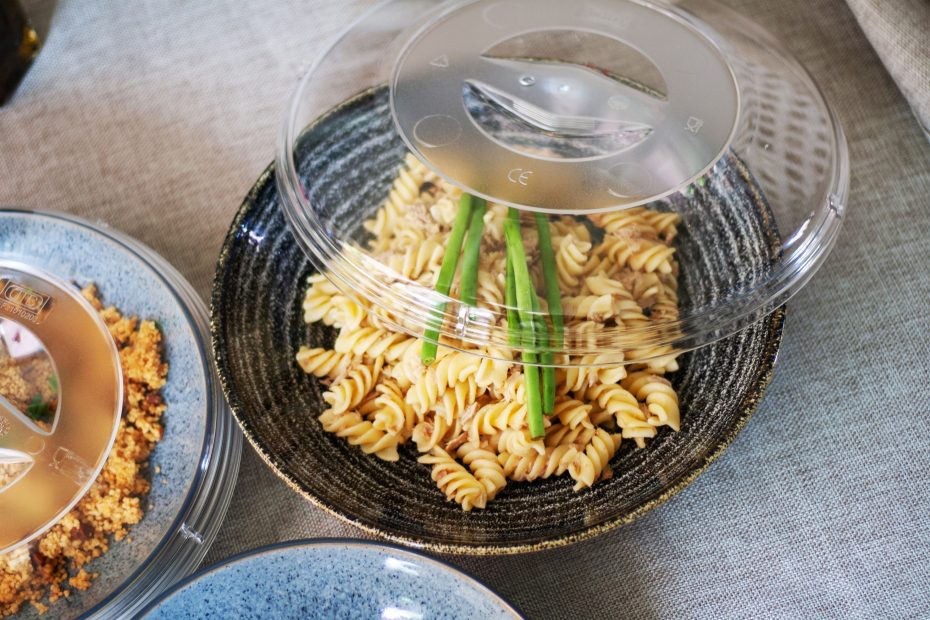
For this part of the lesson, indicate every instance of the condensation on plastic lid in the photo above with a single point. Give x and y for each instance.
(490, 96)
(61, 395)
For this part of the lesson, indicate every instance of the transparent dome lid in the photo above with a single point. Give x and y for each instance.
(61, 395)
(639, 178)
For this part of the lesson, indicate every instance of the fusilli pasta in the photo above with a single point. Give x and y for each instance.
(592, 464)
(456, 481)
(349, 390)
(466, 413)
(361, 433)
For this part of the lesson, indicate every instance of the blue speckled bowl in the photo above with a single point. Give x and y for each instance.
(198, 458)
(331, 579)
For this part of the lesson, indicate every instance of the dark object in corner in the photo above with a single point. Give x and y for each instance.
(19, 45)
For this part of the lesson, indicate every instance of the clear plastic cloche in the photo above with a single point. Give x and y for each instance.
(670, 156)
(61, 395)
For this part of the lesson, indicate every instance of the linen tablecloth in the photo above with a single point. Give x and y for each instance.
(900, 32)
(157, 116)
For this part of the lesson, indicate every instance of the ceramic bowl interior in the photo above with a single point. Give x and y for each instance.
(83, 254)
(258, 327)
(331, 579)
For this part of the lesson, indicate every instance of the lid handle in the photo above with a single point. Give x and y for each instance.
(547, 125)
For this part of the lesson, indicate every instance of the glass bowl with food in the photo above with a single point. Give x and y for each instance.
(531, 263)
(142, 483)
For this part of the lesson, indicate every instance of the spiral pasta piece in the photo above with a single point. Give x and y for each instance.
(408, 238)
(640, 254)
(495, 417)
(513, 389)
(570, 261)
(362, 433)
(457, 400)
(609, 367)
(600, 284)
(626, 222)
(383, 319)
(419, 259)
(639, 432)
(425, 393)
(351, 313)
(624, 305)
(519, 442)
(405, 189)
(663, 358)
(409, 368)
(561, 435)
(349, 391)
(320, 284)
(456, 367)
(593, 463)
(626, 410)
(391, 413)
(572, 413)
(665, 223)
(665, 304)
(493, 370)
(318, 306)
(565, 226)
(643, 287)
(651, 257)
(617, 401)
(484, 466)
(575, 378)
(373, 342)
(455, 481)
(449, 370)
(597, 308)
(430, 432)
(323, 362)
(554, 461)
(490, 289)
(659, 396)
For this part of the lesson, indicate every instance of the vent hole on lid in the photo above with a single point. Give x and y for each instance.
(530, 132)
(594, 52)
(565, 95)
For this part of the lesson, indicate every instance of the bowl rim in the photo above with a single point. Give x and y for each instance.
(336, 542)
(747, 407)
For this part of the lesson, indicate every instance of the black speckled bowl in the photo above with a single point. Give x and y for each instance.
(258, 327)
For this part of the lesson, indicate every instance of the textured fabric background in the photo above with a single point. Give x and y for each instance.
(156, 117)
(899, 30)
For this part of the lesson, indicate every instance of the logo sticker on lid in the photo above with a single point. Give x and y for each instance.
(22, 302)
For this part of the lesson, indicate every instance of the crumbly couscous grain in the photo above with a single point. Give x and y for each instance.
(54, 565)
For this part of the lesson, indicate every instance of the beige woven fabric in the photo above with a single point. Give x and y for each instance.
(899, 30)
(157, 116)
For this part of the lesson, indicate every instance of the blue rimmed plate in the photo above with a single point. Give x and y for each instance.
(331, 578)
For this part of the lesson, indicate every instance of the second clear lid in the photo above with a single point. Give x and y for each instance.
(640, 178)
(61, 396)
